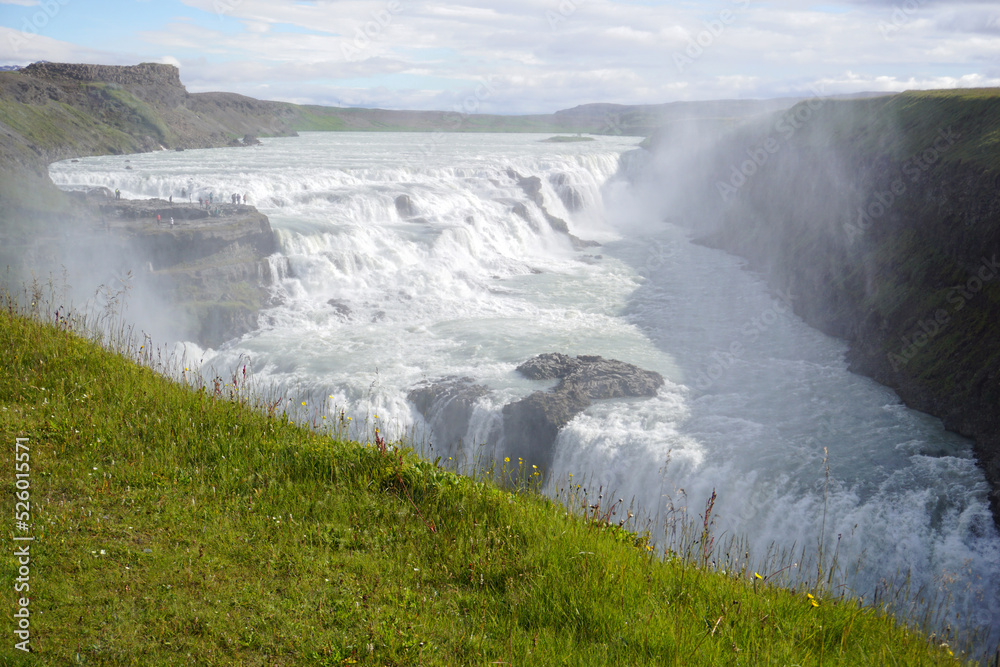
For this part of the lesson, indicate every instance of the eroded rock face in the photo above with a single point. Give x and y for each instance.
(196, 233)
(532, 424)
(340, 307)
(447, 405)
(895, 286)
(570, 196)
(405, 207)
(593, 376)
(532, 188)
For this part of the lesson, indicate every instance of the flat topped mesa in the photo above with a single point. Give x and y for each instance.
(143, 74)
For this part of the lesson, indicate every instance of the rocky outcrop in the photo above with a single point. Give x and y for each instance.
(447, 405)
(529, 427)
(882, 218)
(532, 187)
(532, 424)
(187, 232)
(405, 207)
(570, 196)
(208, 266)
(144, 74)
(209, 271)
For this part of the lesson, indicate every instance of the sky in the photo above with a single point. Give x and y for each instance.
(516, 56)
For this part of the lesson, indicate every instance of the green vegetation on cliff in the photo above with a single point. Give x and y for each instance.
(173, 525)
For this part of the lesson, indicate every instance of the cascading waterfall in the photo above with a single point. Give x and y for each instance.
(406, 258)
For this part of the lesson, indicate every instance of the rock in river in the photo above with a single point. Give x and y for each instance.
(532, 424)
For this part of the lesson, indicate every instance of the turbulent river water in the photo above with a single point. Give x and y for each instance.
(467, 278)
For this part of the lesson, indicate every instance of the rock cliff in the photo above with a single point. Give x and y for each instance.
(210, 271)
(883, 218)
(529, 427)
(532, 424)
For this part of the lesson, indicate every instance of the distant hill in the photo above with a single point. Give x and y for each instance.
(54, 111)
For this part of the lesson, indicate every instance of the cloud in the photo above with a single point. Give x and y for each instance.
(169, 60)
(560, 53)
(21, 48)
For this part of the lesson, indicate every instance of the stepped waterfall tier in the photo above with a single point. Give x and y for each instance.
(410, 261)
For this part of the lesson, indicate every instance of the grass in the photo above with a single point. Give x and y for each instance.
(183, 526)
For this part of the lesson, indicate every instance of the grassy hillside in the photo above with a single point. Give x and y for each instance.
(174, 526)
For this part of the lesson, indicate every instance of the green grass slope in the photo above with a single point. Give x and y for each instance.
(174, 526)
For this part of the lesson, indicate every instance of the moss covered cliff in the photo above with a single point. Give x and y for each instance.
(883, 218)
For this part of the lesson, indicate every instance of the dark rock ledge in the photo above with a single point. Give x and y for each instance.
(530, 426)
(532, 187)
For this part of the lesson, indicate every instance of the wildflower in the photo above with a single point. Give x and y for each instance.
(757, 576)
(303, 402)
(814, 603)
(534, 466)
(810, 596)
(506, 459)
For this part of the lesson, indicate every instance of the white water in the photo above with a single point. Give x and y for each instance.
(472, 289)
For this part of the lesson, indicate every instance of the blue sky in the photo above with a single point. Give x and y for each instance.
(536, 56)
